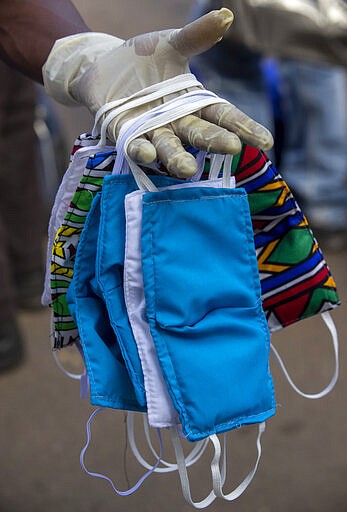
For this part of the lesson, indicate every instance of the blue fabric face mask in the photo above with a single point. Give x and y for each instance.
(109, 380)
(204, 309)
(109, 273)
(110, 267)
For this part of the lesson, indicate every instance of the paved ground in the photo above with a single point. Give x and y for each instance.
(304, 465)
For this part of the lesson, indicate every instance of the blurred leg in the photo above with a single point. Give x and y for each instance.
(315, 152)
(21, 202)
(10, 339)
(7, 296)
(20, 211)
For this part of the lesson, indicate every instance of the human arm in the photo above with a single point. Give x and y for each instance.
(29, 29)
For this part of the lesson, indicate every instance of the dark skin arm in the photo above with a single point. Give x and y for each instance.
(29, 28)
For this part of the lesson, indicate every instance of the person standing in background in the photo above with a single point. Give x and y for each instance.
(307, 44)
(21, 212)
(314, 149)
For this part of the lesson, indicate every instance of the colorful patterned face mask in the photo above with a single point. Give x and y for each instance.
(295, 279)
(80, 184)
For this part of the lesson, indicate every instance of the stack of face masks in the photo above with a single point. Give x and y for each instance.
(171, 289)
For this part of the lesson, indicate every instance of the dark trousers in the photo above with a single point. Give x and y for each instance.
(21, 212)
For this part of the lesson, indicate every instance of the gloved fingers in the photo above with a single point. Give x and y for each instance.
(142, 151)
(233, 120)
(171, 152)
(202, 134)
(202, 34)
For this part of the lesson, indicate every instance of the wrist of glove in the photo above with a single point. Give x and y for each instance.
(95, 69)
(70, 58)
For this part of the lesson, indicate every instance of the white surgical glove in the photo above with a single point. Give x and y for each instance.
(94, 69)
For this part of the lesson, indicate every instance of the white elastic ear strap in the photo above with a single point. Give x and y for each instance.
(191, 458)
(218, 479)
(185, 104)
(331, 326)
(182, 469)
(75, 376)
(183, 462)
(218, 476)
(154, 92)
(143, 97)
(138, 484)
(227, 171)
(158, 116)
(200, 158)
(146, 95)
(216, 163)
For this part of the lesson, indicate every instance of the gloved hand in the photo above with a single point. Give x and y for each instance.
(93, 69)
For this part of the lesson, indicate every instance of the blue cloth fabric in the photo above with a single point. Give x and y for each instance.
(204, 307)
(109, 380)
(314, 153)
(110, 268)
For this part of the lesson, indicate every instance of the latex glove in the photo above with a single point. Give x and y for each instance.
(94, 69)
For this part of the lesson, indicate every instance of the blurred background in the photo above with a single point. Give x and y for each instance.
(42, 420)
